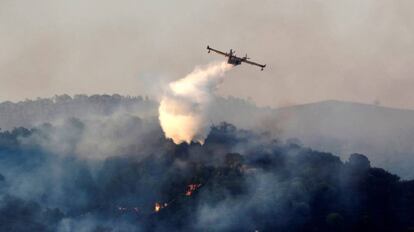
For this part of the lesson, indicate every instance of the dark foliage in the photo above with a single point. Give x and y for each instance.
(242, 182)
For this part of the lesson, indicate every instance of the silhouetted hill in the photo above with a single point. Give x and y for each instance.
(87, 175)
(30, 113)
(383, 134)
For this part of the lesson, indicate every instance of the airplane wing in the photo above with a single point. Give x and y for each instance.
(254, 63)
(217, 51)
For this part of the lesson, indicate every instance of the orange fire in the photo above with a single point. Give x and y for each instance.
(191, 188)
(157, 207)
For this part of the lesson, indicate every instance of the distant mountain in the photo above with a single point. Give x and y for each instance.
(384, 134)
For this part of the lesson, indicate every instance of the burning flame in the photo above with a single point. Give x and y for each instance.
(158, 206)
(191, 188)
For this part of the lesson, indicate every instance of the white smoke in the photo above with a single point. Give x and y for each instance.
(183, 111)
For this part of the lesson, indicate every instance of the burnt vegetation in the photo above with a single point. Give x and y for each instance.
(238, 181)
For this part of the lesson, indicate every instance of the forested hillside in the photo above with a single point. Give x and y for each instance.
(58, 178)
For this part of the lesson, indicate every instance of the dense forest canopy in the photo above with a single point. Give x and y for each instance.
(383, 134)
(56, 178)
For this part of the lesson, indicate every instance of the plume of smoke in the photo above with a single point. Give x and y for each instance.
(183, 111)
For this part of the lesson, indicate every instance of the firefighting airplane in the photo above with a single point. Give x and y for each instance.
(234, 60)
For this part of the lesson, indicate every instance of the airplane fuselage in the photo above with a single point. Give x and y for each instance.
(234, 60)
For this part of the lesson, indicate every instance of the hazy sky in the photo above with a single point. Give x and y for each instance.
(355, 50)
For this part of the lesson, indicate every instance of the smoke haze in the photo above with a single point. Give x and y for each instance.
(107, 175)
(384, 135)
(107, 163)
(316, 50)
